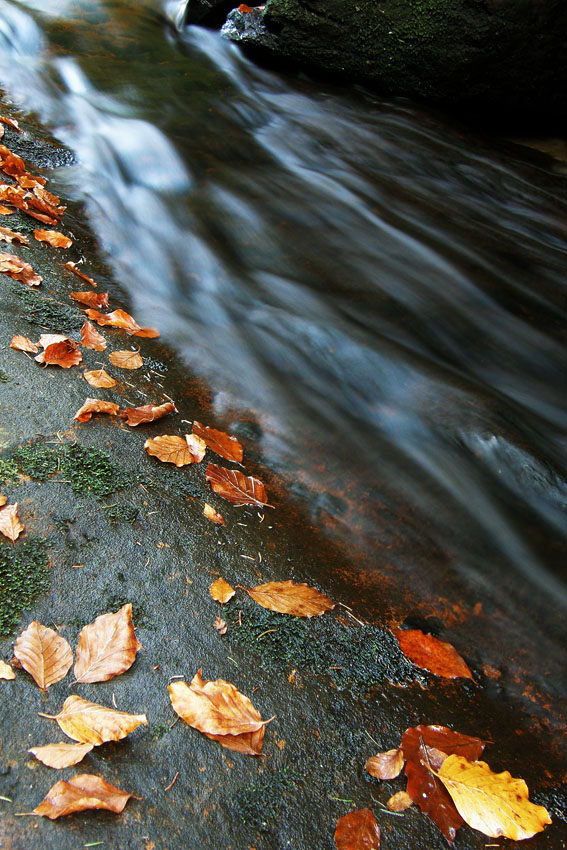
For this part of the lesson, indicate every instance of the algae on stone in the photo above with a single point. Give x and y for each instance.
(24, 574)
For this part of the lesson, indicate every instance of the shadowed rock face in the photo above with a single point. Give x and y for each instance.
(488, 55)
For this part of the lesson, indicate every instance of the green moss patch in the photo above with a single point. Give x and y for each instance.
(4, 378)
(120, 513)
(259, 804)
(24, 574)
(49, 314)
(37, 460)
(8, 471)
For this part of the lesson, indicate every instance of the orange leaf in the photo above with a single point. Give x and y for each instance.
(10, 525)
(91, 299)
(432, 654)
(73, 268)
(177, 450)
(148, 333)
(22, 343)
(220, 626)
(147, 413)
(90, 723)
(45, 655)
(245, 9)
(3, 499)
(357, 831)
(386, 765)
(11, 122)
(61, 755)
(53, 237)
(95, 405)
(81, 792)
(107, 647)
(91, 338)
(238, 488)
(99, 378)
(126, 359)
(5, 211)
(399, 802)
(219, 442)
(290, 598)
(6, 672)
(7, 235)
(50, 339)
(213, 515)
(19, 270)
(11, 163)
(116, 319)
(64, 354)
(221, 591)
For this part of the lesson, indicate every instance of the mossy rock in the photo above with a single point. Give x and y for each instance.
(24, 575)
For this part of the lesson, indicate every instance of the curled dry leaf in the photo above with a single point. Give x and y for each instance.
(220, 626)
(10, 525)
(95, 405)
(61, 755)
(44, 654)
(399, 802)
(91, 338)
(431, 654)
(116, 319)
(90, 723)
(17, 268)
(221, 591)
(99, 378)
(45, 340)
(357, 831)
(386, 765)
(148, 333)
(6, 672)
(177, 450)
(213, 515)
(11, 122)
(286, 597)
(5, 211)
(221, 712)
(7, 235)
(126, 359)
(22, 343)
(91, 299)
(147, 413)
(238, 488)
(65, 354)
(72, 267)
(80, 793)
(53, 237)
(107, 647)
(219, 442)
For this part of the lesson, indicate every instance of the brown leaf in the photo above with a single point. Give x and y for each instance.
(45, 655)
(79, 793)
(219, 442)
(11, 122)
(65, 354)
(99, 378)
(431, 654)
(61, 755)
(116, 319)
(221, 591)
(53, 237)
(286, 597)
(357, 831)
(213, 515)
(7, 235)
(22, 343)
(424, 788)
(3, 500)
(5, 211)
(19, 270)
(91, 338)
(126, 359)
(96, 405)
(147, 413)
(386, 765)
(148, 333)
(91, 299)
(73, 268)
(6, 672)
(107, 647)
(238, 488)
(177, 450)
(494, 803)
(90, 723)
(10, 525)
(221, 712)
(50, 339)
(11, 163)
(399, 802)
(220, 626)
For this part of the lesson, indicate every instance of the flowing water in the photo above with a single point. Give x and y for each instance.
(382, 288)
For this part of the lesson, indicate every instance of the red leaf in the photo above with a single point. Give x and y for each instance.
(147, 413)
(238, 488)
(18, 269)
(91, 299)
(357, 831)
(244, 8)
(64, 354)
(431, 654)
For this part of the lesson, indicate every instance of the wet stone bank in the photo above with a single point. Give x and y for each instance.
(106, 524)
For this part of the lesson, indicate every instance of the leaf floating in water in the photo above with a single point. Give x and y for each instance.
(80, 793)
(220, 443)
(44, 654)
(431, 654)
(238, 488)
(357, 831)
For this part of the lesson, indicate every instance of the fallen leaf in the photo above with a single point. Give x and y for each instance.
(238, 488)
(220, 626)
(116, 319)
(22, 343)
(6, 672)
(18, 269)
(90, 338)
(3, 500)
(53, 237)
(126, 359)
(107, 647)
(73, 268)
(399, 802)
(213, 515)
(386, 765)
(50, 339)
(219, 442)
(424, 788)
(45, 655)
(219, 711)
(61, 755)
(147, 413)
(96, 405)
(221, 591)
(286, 597)
(496, 804)
(177, 450)
(10, 162)
(65, 354)
(99, 378)
(11, 122)
(91, 299)
(148, 333)
(244, 9)
(431, 654)
(79, 793)
(10, 525)
(5, 211)
(90, 723)
(357, 831)
(7, 235)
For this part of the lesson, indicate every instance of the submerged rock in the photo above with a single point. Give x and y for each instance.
(505, 56)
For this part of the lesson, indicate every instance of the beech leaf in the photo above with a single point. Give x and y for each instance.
(213, 515)
(90, 723)
(79, 793)
(99, 378)
(95, 405)
(286, 597)
(61, 755)
(53, 237)
(357, 831)
(431, 654)
(238, 488)
(107, 647)
(10, 525)
(7, 235)
(73, 268)
(147, 413)
(91, 299)
(126, 359)
(17, 268)
(6, 672)
(22, 343)
(399, 802)
(116, 319)
(219, 442)
(64, 353)
(494, 803)
(178, 450)
(221, 591)
(44, 654)
(91, 338)
(386, 765)
(148, 333)
(3, 500)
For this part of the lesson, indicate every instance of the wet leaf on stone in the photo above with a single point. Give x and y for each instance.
(386, 765)
(107, 647)
(22, 343)
(236, 487)
(11, 122)
(90, 338)
(96, 405)
(357, 831)
(220, 625)
(287, 597)
(90, 723)
(116, 319)
(44, 654)
(431, 654)
(18, 269)
(91, 299)
(99, 378)
(53, 238)
(147, 333)
(80, 793)
(147, 413)
(399, 802)
(7, 235)
(61, 755)
(221, 591)
(6, 672)
(213, 515)
(219, 442)
(64, 353)
(72, 267)
(10, 524)
(177, 450)
(126, 359)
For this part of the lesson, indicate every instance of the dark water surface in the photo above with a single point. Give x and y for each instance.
(383, 289)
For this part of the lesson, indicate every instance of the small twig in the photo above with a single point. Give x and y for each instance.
(267, 632)
(232, 659)
(340, 799)
(6, 799)
(172, 783)
(371, 738)
(248, 557)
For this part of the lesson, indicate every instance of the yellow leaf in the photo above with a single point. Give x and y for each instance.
(45, 655)
(90, 723)
(61, 755)
(496, 804)
(107, 647)
(99, 378)
(126, 359)
(221, 591)
(290, 598)
(6, 671)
